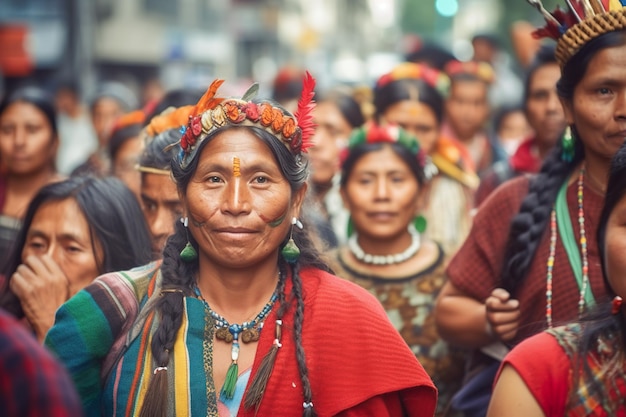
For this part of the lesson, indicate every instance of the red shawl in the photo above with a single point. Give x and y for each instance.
(358, 363)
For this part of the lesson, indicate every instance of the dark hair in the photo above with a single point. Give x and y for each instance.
(287, 84)
(356, 153)
(179, 275)
(124, 96)
(432, 54)
(528, 226)
(502, 113)
(407, 89)
(347, 105)
(175, 98)
(38, 98)
(544, 56)
(120, 136)
(158, 154)
(115, 222)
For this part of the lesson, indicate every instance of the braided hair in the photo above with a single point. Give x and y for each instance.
(528, 226)
(177, 274)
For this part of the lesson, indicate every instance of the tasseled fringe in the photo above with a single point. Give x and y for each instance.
(155, 401)
(230, 382)
(257, 387)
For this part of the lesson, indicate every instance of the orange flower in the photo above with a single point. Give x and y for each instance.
(267, 115)
(277, 123)
(289, 128)
(233, 113)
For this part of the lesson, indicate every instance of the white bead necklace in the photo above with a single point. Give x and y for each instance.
(397, 258)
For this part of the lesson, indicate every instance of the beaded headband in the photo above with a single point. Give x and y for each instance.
(374, 133)
(211, 114)
(408, 70)
(582, 21)
(479, 69)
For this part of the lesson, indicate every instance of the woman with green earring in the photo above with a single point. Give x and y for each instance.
(384, 183)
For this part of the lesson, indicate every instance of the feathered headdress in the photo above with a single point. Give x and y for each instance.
(212, 113)
(582, 21)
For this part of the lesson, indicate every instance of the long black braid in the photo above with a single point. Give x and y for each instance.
(529, 225)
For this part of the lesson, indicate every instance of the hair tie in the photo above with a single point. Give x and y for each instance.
(159, 369)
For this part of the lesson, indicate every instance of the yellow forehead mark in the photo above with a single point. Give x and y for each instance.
(414, 109)
(236, 167)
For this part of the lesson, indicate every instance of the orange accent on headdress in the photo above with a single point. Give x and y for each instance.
(169, 119)
(136, 117)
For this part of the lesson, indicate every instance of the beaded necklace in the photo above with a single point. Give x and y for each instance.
(397, 258)
(250, 331)
(584, 280)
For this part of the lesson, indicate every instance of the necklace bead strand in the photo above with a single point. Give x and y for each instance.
(397, 258)
(583, 249)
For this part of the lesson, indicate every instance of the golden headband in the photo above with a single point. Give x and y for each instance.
(582, 21)
(211, 114)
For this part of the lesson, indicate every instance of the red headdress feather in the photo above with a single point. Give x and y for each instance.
(304, 113)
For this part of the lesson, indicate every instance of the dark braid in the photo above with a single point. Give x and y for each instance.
(309, 411)
(176, 274)
(529, 225)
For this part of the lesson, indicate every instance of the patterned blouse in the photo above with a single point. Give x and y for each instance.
(410, 302)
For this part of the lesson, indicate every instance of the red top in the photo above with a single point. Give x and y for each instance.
(475, 269)
(358, 363)
(544, 367)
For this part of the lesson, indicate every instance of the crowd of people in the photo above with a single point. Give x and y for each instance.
(423, 247)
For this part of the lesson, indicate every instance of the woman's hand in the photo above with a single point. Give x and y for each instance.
(503, 314)
(42, 287)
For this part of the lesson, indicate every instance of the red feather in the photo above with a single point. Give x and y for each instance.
(304, 113)
(207, 101)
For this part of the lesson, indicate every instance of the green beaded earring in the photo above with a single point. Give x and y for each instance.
(291, 251)
(568, 141)
(188, 254)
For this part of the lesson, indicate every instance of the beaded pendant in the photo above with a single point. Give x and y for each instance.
(250, 331)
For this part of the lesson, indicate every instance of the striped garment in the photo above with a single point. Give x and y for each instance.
(104, 324)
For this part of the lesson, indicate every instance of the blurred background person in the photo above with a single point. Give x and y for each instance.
(125, 147)
(111, 101)
(510, 127)
(412, 96)
(73, 231)
(506, 89)
(384, 187)
(29, 141)
(76, 133)
(160, 201)
(287, 85)
(336, 114)
(545, 116)
(468, 110)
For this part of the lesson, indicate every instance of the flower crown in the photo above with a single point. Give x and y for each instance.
(479, 69)
(390, 133)
(408, 70)
(582, 21)
(211, 114)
